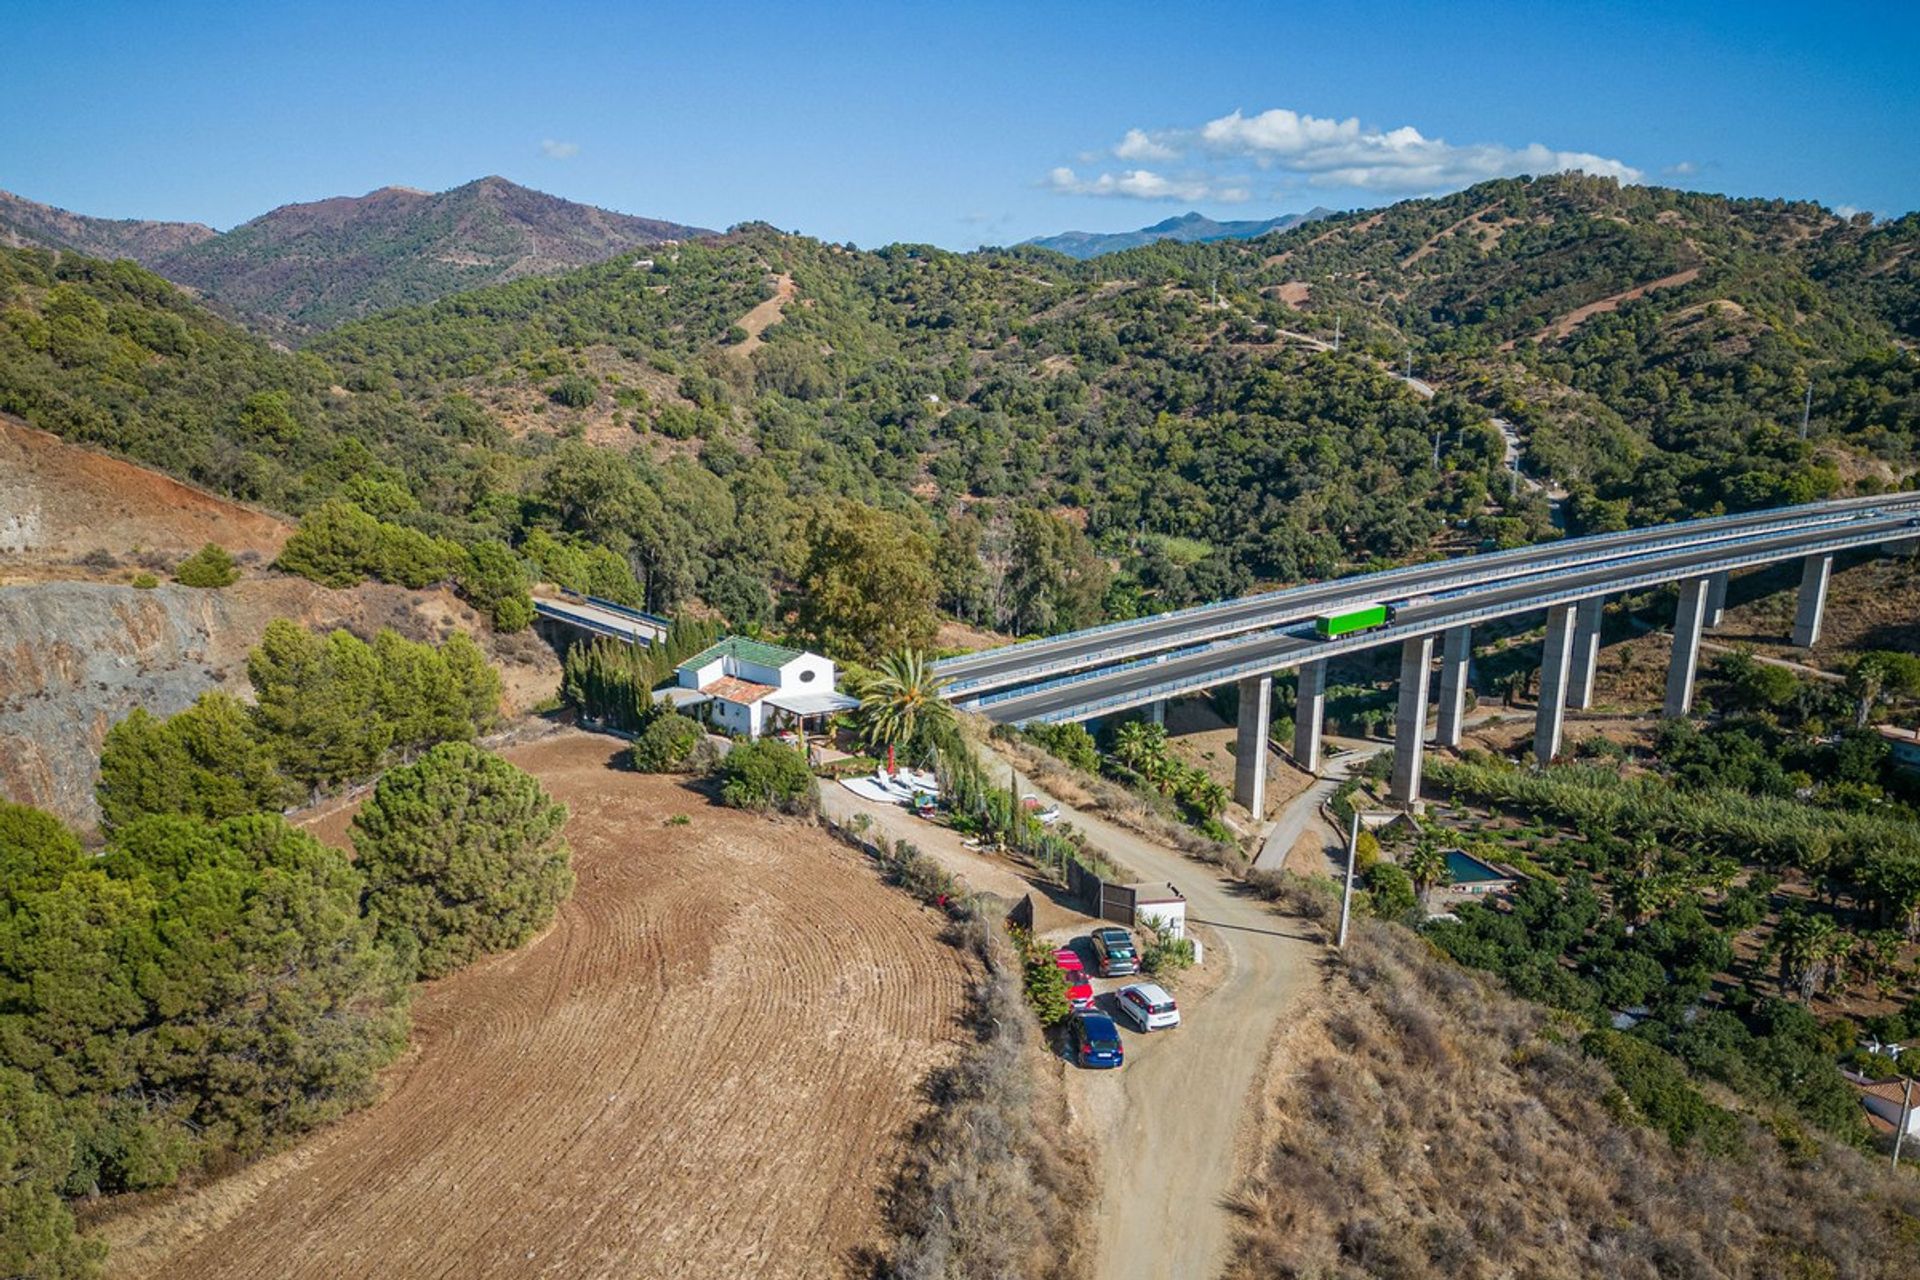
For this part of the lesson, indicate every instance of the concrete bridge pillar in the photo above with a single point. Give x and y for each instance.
(1813, 600)
(1157, 712)
(1556, 673)
(1456, 653)
(1716, 599)
(1586, 651)
(1410, 725)
(1309, 714)
(1685, 660)
(1250, 745)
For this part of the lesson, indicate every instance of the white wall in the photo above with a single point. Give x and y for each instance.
(808, 673)
(1889, 1110)
(1171, 915)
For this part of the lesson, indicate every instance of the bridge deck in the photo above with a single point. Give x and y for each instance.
(602, 617)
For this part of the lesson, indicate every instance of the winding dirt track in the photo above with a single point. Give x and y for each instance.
(703, 1069)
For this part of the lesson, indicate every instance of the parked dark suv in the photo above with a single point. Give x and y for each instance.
(1113, 952)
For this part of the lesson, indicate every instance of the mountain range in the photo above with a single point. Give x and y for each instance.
(1188, 228)
(307, 267)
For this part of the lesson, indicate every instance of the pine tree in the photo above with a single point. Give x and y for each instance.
(463, 856)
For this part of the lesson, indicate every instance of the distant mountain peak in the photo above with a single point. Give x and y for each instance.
(321, 263)
(1189, 227)
(27, 222)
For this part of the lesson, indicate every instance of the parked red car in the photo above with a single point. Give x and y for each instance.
(1079, 991)
(1068, 959)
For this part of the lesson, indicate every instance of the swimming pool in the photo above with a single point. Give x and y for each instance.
(1468, 869)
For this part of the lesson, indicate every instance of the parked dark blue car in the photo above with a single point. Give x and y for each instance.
(1096, 1041)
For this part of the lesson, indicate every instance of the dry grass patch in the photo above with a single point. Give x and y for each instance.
(1423, 1123)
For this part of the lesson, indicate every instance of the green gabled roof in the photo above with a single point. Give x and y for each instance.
(742, 649)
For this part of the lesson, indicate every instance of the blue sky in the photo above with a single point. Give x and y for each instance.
(958, 123)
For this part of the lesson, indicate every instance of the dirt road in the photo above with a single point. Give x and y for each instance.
(1167, 1122)
(703, 1069)
(1304, 809)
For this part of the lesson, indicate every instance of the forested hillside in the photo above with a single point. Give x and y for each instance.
(1042, 442)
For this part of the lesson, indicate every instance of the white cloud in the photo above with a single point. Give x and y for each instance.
(1138, 146)
(558, 150)
(1684, 169)
(1323, 152)
(1143, 184)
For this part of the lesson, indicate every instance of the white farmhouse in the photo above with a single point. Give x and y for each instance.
(749, 687)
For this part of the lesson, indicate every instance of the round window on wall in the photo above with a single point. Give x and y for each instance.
(807, 675)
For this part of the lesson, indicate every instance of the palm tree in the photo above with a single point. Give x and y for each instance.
(1426, 865)
(1866, 681)
(1806, 948)
(902, 702)
(1141, 746)
(1205, 796)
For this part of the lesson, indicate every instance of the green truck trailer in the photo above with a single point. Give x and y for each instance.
(1331, 626)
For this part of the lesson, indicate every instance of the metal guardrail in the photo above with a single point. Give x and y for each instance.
(628, 611)
(1473, 569)
(1388, 635)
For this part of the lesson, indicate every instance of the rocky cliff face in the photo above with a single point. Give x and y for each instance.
(76, 657)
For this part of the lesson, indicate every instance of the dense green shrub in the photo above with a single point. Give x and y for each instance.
(1070, 741)
(208, 761)
(201, 990)
(494, 582)
(1163, 953)
(1389, 891)
(463, 856)
(1660, 1092)
(145, 582)
(210, 566)
(339, 545)
(334, 708)
(767, 775)
(37, 1238)
(611, 683)
(1042, 980)
(574, 391)
(666, 744)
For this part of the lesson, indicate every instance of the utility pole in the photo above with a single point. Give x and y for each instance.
(1906, 1114)
(1806, 410)
(1346, 895)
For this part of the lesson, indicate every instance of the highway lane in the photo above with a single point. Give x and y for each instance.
(1150, 679)
(971, 675)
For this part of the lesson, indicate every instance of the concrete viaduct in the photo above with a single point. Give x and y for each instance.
(1246, 641)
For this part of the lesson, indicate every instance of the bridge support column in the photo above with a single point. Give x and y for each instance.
(1250, 745)
(1586, 651)
(1556, 670)
(1410, 725)
(1716, 599)
(1157, 713)
(1456, 652)
(1813, 600)
(1685, 659)
(1309, 714)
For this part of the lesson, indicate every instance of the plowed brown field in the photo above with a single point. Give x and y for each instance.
(705, 1068)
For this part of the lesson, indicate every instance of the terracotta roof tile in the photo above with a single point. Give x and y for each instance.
(734, 689)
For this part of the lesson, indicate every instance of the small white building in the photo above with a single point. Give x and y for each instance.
(1885, 1101)
(749, 687)
(1163, 904)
